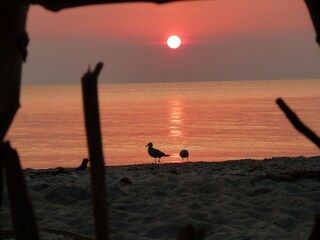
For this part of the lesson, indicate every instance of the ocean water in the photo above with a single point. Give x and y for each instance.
(215, 121)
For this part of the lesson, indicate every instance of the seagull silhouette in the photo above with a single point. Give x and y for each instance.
(184, 154)
(155, 153)
(84, 164)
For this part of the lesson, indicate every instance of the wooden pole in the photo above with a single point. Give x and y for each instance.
(23, 219)
(92, 123)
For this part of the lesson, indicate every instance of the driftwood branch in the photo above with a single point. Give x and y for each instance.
(22, 214)
(92, 122)
(297, 123)
(314, 10)
(57, 5)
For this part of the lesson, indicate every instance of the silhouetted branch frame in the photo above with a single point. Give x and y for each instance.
(13, 41)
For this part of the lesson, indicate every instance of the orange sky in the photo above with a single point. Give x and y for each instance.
(218, 37)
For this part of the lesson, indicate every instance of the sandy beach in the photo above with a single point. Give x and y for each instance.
(246, 199)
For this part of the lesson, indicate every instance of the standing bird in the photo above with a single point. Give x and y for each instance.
(155, 153)
(84, 164)
(184, 154)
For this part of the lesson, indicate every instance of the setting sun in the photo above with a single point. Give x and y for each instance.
(174, 42)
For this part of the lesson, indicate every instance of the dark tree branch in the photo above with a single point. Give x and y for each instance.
(57, 5)
(297, 123)
(92, 122)
(23, 219)
(314, 10)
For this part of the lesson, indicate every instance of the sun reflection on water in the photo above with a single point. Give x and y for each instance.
(175, 118)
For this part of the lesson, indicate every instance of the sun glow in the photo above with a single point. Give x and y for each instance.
(174, 42)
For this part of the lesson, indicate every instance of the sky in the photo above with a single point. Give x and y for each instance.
(221, 40)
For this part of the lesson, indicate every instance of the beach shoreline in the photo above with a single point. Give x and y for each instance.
(274, 198)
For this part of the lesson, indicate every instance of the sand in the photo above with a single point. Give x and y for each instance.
(245, 199)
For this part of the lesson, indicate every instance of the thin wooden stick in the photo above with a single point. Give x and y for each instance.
(92, 122)
(297, 123)
(23, 219)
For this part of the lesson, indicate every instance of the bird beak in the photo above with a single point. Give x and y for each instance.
(147, 145)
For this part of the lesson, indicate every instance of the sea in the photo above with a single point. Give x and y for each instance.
(214, 121)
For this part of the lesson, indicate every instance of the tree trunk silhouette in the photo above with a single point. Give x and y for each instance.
(92, 123)
(23, 219)
(13, 42)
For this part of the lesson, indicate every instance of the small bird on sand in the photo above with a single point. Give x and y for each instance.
(155, 153)
(184, 154)
(84, 164)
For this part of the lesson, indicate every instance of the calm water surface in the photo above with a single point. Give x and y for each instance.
(215, 121)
